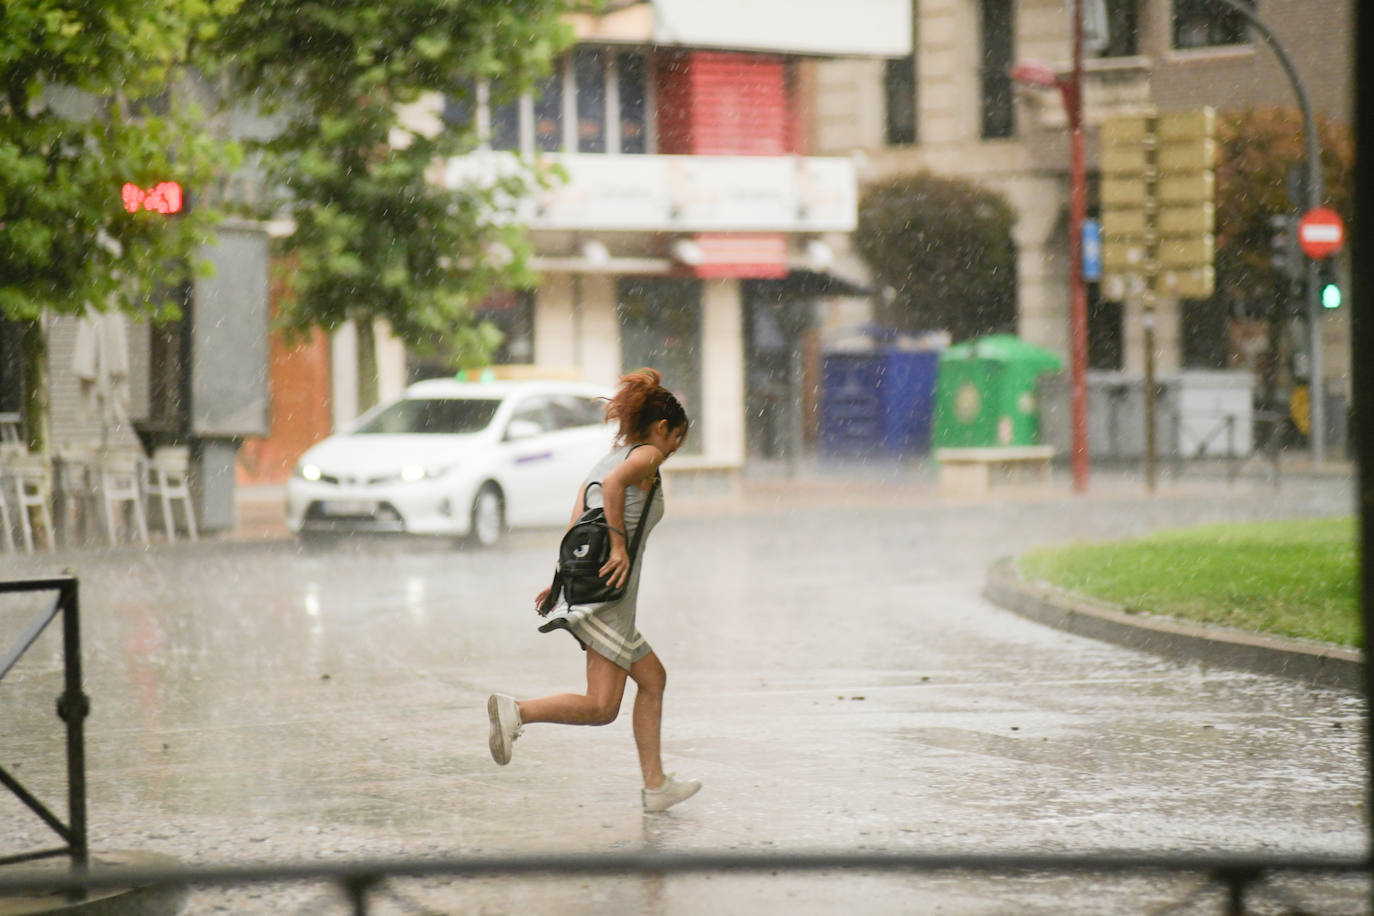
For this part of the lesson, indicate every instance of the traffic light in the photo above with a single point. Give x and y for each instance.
(1329, 283)
(1284, 255)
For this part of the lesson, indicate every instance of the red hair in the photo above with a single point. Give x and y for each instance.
(641, 402)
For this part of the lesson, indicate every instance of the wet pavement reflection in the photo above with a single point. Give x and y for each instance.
(835, 679)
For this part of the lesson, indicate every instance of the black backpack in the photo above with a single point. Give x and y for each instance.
(585, 548)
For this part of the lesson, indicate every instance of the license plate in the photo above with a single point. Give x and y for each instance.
(348, 507)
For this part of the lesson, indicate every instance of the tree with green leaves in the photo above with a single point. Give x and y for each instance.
(941, 249)
(377, 235)
(85, 109)
(1258, 148)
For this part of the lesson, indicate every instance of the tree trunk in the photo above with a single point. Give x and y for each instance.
(367, 364)
(37, 420)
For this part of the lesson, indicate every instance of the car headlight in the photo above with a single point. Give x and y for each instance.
(308, 471)
(413, 473)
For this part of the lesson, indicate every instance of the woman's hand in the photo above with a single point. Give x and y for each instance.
(617, 568)
(540, 599)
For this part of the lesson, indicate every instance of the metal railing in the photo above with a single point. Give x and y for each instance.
(72, 707)
(1236, 875)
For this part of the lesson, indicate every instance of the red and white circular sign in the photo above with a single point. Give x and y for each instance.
(1321, 233)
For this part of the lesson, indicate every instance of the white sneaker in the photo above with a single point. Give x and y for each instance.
(670, 793)
(505, 726)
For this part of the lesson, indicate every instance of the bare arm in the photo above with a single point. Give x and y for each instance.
(635, 470)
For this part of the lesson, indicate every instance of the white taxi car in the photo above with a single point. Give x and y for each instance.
(464, 459)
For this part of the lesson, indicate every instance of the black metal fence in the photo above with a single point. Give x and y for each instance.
(72, 707)
(1237, 875)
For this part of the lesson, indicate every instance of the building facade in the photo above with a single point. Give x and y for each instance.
(690, 230)
(951, 108)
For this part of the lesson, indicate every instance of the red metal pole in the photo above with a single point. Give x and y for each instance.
(1078, 305)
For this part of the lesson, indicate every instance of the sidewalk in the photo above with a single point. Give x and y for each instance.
(764, 485)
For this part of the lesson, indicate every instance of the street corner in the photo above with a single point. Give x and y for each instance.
(1327, 666)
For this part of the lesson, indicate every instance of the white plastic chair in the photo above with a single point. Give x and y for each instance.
(167, 479)
(120, 474)
(32, 479)
(78, 503)
(11, 430)
(6, 522)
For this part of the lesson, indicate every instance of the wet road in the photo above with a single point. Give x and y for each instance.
(834, 679)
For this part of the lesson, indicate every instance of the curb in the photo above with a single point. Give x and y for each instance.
(1314, 663)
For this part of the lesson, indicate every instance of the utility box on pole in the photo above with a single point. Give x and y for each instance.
(1186, 155)
(1158, 221)
(1127, 198)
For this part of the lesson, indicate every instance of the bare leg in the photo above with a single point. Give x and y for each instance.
(650, 679)
(598, 706)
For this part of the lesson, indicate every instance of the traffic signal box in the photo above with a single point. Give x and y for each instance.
(1159, 205)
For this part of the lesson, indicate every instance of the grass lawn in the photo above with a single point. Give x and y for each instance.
(1291, 578)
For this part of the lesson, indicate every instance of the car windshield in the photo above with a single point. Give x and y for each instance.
(432, 415)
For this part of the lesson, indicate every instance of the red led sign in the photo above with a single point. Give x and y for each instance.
(163, 197)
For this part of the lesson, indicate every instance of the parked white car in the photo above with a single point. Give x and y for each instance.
(463, 459)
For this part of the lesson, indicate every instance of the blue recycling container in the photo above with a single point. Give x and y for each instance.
(878, 403)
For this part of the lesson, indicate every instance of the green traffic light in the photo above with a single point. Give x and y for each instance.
(1331, 296)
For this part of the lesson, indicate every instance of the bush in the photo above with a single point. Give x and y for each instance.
(941, 251)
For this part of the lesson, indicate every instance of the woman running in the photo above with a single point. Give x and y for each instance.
(653, 426)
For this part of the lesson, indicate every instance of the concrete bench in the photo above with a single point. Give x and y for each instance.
(969, 471)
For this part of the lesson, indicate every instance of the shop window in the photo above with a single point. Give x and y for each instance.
(633, 83)
(548, 114)
(998, 35)
(513, 316)
(1204, 24)
(660, 326)
(589, 74)
(899, 97)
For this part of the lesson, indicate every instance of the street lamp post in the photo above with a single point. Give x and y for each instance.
(1071, 90)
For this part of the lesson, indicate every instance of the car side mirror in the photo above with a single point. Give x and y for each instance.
(522, 429)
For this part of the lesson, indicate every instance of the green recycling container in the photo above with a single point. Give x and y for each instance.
(985, 392)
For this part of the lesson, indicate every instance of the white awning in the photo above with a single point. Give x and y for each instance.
(828, 28)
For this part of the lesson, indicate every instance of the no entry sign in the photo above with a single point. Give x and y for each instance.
(1321, 233)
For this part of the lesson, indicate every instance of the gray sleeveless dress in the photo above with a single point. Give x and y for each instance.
(609, 627)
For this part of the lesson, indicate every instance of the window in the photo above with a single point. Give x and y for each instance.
(599, 93)
(1105, 341)
(460, 110)
(440, 416)
(589, 74)
(513, 316)
(571, 411)
(1203, 24)
(534, 410)
(899, 97)
(1123, 39)
(1202, 336)
(11, 363)
(548, 114)
(505, 121)
(634, 99)
(998, 40)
